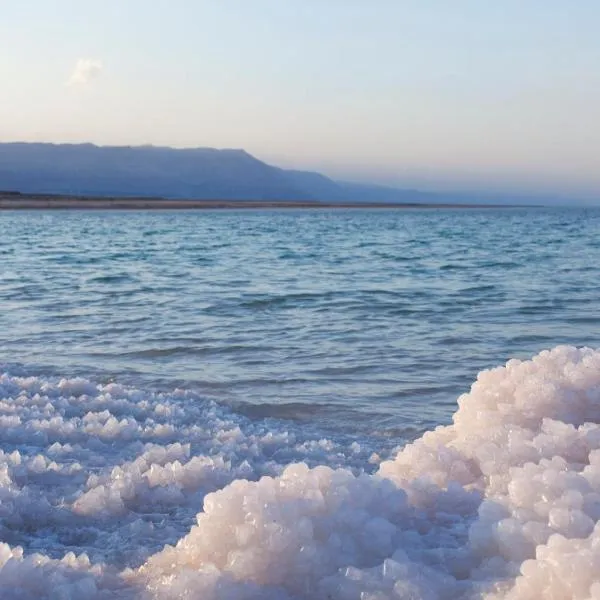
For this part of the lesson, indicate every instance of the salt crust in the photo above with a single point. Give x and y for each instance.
(503, 503)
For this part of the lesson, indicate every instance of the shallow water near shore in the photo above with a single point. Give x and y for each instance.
(159, 364)
(361, 320)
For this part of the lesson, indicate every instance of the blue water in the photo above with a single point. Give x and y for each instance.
(356, 322)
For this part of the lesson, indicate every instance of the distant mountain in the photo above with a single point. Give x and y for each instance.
(85, 169)
(199, 173)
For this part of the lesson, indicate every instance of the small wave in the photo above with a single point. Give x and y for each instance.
(455, 267)
(297, 411)
(293, 300)
(113, 278)
(501, 264)
(477, 289)
(538, 309)
(192, 351)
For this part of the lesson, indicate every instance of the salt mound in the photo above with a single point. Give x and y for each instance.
(503, 503)
(495, 505)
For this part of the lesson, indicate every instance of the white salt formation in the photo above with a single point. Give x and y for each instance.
(503, 503)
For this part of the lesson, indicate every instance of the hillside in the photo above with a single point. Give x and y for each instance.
(198, 173)
(148, 171)
(142, 171)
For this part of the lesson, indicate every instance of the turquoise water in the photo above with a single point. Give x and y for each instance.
(362, 323)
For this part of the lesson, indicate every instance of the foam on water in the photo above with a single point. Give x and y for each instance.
(503, 503)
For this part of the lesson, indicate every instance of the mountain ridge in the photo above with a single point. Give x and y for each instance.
(231, 174)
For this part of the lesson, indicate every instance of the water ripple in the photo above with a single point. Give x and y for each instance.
(362, 321)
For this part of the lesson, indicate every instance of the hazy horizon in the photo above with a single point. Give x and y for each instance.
(462, 97)
(448, 187)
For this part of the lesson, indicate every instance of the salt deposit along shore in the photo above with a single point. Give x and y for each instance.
(503, 503)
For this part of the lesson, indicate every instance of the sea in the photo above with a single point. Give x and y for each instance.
(159, 367)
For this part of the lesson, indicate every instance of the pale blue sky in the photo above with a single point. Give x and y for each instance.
(460, 94)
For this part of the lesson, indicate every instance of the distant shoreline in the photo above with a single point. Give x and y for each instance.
(18, 201)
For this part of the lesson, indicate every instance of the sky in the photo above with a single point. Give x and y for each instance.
(498, 96)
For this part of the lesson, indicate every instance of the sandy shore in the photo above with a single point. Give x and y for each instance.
(14, 201)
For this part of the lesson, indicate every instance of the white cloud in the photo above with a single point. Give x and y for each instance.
(84, 71)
